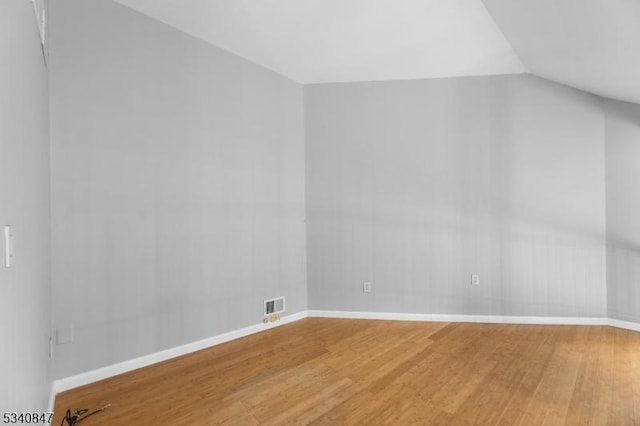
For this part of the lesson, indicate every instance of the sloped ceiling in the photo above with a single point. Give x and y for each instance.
(314, 41)
(593, 45)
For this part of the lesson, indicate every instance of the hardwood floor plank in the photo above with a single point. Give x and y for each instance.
(603, 380)
(622, 411)
(581, 404)
(634, 341)
(535, 359)
(486, 405)
(350, 411)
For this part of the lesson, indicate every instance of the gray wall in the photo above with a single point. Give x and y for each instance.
(623, 209)
(416, 185)
(24, 203)
(177, 186)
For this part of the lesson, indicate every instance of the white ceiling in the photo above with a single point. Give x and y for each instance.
(593, 45)
(316, 41)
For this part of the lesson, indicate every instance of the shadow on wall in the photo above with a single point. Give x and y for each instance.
(623, 210)
(623, 280)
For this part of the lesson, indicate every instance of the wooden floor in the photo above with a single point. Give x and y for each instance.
(332, 372)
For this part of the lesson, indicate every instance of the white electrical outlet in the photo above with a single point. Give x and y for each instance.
(475, 279)
(366, 287)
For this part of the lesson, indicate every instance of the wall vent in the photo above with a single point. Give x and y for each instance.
(274, 306)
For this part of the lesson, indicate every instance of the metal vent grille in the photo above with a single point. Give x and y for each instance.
(274, 306)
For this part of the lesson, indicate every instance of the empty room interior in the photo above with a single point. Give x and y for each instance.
(322, 212)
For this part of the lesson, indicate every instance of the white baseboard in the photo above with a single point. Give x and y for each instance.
(460, 318)
(627, 325)
(82, 379)
(52, 398)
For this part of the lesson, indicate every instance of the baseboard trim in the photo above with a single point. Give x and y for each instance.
(627, 325)
(52, 397)
(92, 376)
(460, 318)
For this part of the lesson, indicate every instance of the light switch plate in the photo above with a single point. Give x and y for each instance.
(8, 246)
